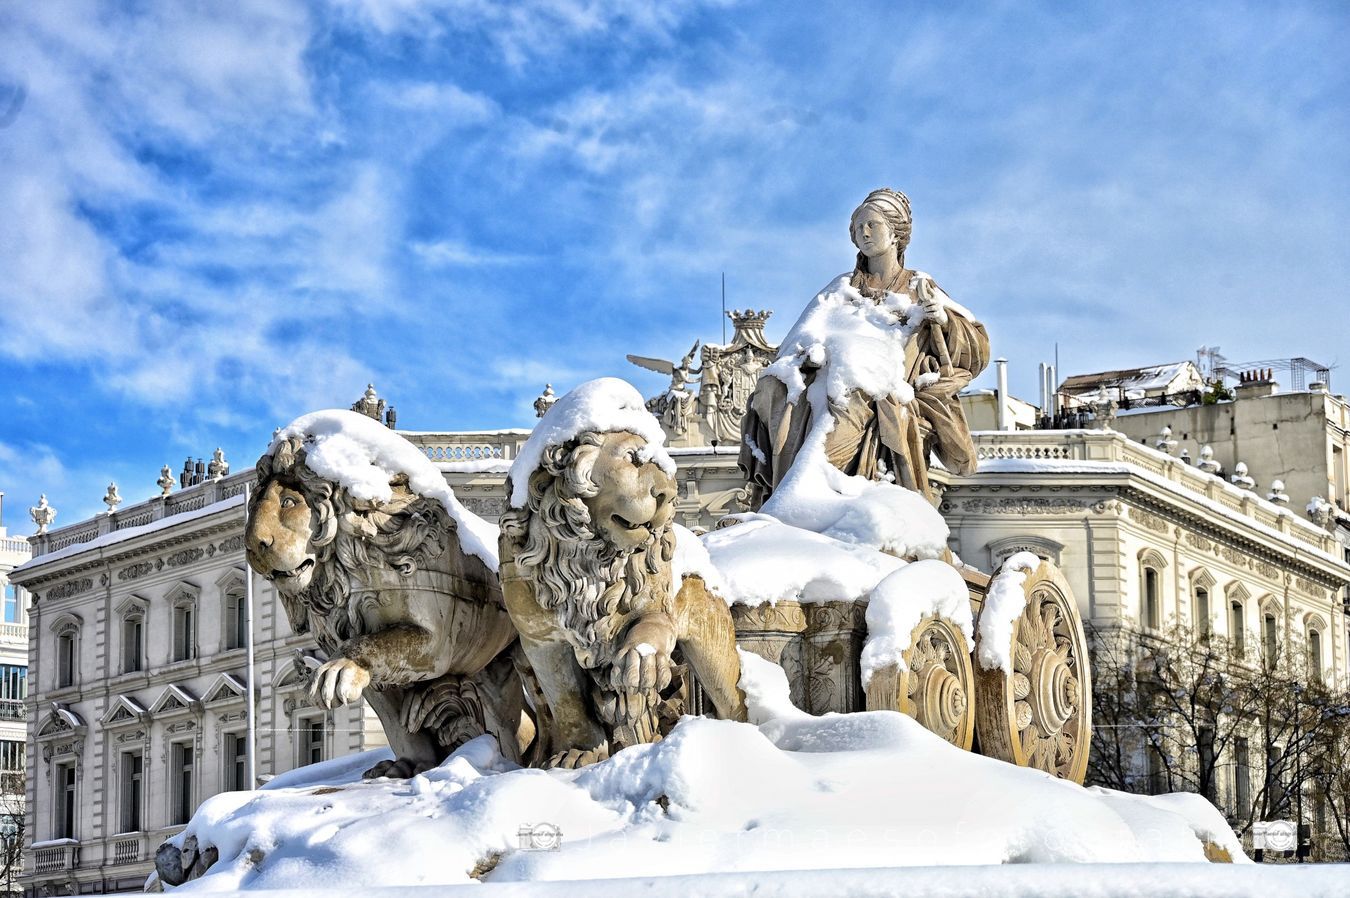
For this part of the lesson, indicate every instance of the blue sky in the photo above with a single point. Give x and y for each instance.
(217, 217)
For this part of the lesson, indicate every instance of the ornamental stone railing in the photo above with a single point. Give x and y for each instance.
(56, 858)
(1109, 447)
(485, 445)
(193, 498)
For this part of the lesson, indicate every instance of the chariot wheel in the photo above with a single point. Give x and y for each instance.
(937, 690)
(1041, 715)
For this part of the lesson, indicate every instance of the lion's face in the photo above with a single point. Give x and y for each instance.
(278, 538)
(636, 499)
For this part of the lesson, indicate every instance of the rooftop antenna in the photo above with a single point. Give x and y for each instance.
(724, 308)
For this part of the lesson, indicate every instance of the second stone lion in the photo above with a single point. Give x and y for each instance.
(586, 566)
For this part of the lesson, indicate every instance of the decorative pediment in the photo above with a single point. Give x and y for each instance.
(61, 721)
(175, 700)
(65, 622)
(124, 711)
(1236, 592)
(1202, 579)
(1314, 621)
(183, 593)
(226, 688)
(1152, 558)
(1000, 550)
(231, 579)
(132, 605)
(1270, 604)
(298, 672)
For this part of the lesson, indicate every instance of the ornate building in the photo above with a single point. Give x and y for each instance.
(14, 551)
(138, 702)
(137, 708)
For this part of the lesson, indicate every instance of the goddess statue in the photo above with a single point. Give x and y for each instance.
(879, 437)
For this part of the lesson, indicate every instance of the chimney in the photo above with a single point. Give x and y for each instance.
(1256, 383)
(1003, 423)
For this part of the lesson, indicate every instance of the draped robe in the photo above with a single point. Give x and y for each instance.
(876, 437)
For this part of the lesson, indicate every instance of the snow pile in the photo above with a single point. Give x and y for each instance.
(760, 559)
(855, 344)
(905, 597)
(602, 405)
(692, 559)
(1003, 604)
(794, 793)
(363, 456)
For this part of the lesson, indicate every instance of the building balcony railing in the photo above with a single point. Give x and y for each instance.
(11, 709)
(57, 858)
(1105, 447)
(16, 544)
(485, 445)
(14, 631)
(127, 849)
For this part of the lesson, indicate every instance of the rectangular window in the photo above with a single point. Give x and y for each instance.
(133, 629)
(65, 802)
(184, 765)
(1208, 765)
(236, 621)
(1242, 777)
(133, 776)
(11, 756)
(1202, 625)
(236, 762)
(311, 741)
(65, 660)
(184, 634)
(1237, 630)
(1270, 640)
(11, 603)
(1152, 600)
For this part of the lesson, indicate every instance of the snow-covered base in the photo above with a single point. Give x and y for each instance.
(1019, 881)
(868, 790)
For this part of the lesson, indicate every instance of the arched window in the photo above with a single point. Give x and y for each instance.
(1150, 589)
(67, 630)
(1237, 626)
(183, 602)
(234, 612)
(1315, 655)
(132, 614)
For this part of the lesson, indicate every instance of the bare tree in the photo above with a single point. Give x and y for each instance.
(12, 807)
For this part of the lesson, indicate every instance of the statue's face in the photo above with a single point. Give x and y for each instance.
(872, 234)
(277, 538)
(636, 500)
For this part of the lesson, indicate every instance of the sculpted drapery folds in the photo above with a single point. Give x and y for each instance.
(879, 437)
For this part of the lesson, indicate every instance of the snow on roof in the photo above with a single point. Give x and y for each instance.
(364, 456)
(602, 405)
(1170, 377)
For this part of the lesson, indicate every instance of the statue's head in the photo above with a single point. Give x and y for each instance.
(881, 224)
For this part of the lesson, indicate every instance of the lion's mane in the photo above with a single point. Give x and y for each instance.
(348, 535)
(577, 573)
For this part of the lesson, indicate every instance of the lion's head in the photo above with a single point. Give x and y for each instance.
(595, 530)
(309, 536)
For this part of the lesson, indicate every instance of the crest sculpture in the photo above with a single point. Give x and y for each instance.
(586, 566)
(407, 617)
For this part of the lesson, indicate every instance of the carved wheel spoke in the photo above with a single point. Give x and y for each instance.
(938, 688)
(1040, 716)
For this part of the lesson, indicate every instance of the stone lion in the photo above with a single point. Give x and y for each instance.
(404, 615)
(586, 574)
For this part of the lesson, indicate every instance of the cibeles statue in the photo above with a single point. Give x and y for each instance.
(882, 315)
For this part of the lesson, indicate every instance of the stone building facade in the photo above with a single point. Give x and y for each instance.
(14, 551)
(137, 706)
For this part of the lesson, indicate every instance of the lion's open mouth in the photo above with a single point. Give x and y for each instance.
(292, 574)
(626, 524)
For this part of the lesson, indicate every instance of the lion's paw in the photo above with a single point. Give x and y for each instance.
(574, 758)
(339, 682)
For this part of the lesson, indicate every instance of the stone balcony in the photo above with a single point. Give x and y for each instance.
(1099, 452)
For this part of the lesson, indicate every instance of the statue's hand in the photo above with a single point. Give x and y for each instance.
(338, 682)
(930, 297)
(643, 659)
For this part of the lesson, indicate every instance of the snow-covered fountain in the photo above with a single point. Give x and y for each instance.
(814, 685)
